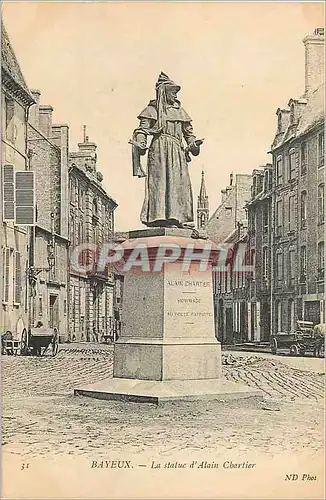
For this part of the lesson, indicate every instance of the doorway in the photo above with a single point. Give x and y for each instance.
(229, 325)
(54, 311)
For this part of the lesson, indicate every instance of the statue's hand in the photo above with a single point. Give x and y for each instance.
(194, 147)
(142, 148)
(140, 145)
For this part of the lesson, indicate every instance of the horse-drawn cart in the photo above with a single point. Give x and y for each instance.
(36, 341)
(305, 339)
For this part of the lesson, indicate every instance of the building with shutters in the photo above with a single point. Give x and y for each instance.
(231, 210)
(230, 288)
(298, 199)
(260, 229)
(17, 206)
(227, 227)
(91, 223)
(49, 246)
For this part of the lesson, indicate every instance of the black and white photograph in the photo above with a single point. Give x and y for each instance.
(162, 253)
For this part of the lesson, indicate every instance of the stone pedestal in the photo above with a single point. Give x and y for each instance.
(167, 349)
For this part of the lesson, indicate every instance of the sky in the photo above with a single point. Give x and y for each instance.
(97, 63)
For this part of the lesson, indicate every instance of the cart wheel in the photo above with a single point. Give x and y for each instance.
(55, 343)
(274, 346)
(24, 342)
(294, 350)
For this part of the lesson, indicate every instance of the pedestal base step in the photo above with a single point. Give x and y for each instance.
(153, 391)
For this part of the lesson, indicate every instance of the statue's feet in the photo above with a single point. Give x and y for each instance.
(187, 225)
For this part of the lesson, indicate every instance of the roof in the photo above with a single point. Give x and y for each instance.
(313, 113)
(203, 192)
(11, 69)
(93, 180)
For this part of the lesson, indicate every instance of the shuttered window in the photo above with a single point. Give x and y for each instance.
(6, 271)
(17, 278)
(25, 209)
(8, 194)
(10, 117)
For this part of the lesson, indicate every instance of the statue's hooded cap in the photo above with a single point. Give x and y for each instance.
(163, 79)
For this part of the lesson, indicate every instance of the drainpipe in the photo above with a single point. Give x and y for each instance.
(30, 236)
(272, 263)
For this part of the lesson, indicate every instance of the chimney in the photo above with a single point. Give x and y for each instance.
(34, 110)
(314, 60)
(45, 120)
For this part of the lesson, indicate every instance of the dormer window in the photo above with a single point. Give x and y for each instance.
(279, 122)
(292, 114)
(266, 181)
(254, 186)
(292, 164)
(279, 170)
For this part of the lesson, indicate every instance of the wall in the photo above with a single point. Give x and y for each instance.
(13, 317)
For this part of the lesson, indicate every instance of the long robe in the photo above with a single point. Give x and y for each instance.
(168, 193)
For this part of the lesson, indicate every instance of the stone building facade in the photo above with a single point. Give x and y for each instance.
(228, 227)
(230, 292)
(16, 100)
(298, 199)
(91, 223)
(260, 229)
(48, 153)
(231, 211)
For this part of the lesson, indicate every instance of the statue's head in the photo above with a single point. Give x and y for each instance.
(170, 87)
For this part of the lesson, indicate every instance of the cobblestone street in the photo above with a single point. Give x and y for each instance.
(41, 417)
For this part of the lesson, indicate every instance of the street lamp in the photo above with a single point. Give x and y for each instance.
(33, 272)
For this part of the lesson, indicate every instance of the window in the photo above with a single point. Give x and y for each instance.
(321, 261)
(10, 125)
(254, 187)
(65, 307)
(253, 263)
(279, 217)
(17, 278)
(303, 263)
(40, 306)
(292, 116)
(253, 223)
(279, 170)
(291, 315)
(228, 278)
(265, 219)
(265, 263)
(321, 149)
(95, 207)
(77, 192)
(266, 181)
(278, 316)
(6, 274)
(291, 266)
(24, 198)
(72, 191)
(303, 158)
(292, 164)
(81, 197)
(303, 209)
(321, 203)
(291, 213)
(8, 193)
(72, 229)
(279, 266)
(279, 123)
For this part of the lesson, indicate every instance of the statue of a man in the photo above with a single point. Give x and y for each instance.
(168, 194)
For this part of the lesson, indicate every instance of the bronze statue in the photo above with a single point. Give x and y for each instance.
(168, 194)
